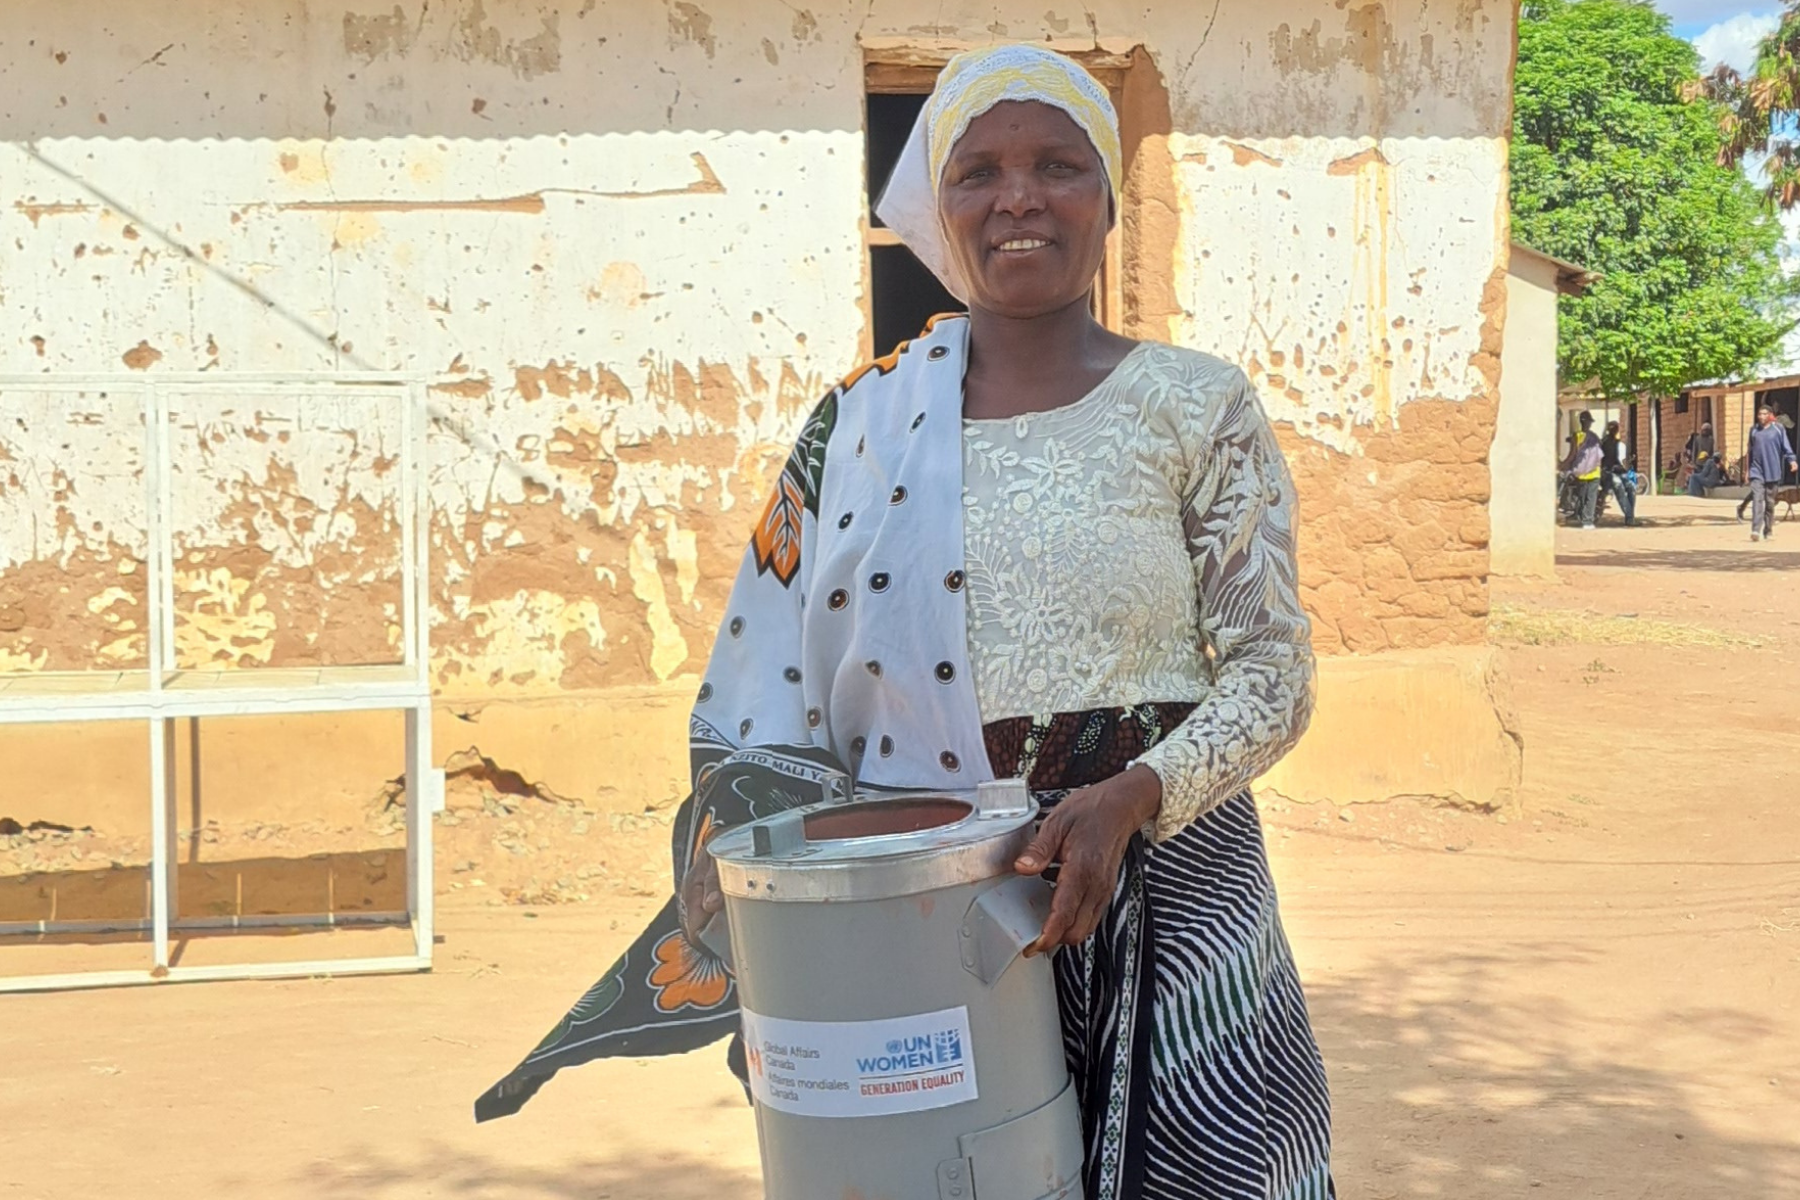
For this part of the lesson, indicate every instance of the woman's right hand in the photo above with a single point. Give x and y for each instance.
(701, 899)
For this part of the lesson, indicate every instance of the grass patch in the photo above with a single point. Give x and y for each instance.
(1519, 626)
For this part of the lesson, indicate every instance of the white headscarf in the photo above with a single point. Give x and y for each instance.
(971, 84)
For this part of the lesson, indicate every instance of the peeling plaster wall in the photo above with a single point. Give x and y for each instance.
(1376, 292)
(72, 582)
(626, 309)
(285, 510)
(623, 240)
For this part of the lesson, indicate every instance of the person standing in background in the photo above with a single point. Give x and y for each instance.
(1771, 461)
(1613, 471)
(1749, 492)
(1787, 423)
(1583, 464)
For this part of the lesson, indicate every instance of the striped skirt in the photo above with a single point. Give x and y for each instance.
(1183, 1018)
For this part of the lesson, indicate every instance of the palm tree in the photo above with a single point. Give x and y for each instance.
(1760, 112)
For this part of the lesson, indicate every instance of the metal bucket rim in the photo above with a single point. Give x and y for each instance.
(978, 846)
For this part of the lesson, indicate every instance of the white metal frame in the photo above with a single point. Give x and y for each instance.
(166, 692)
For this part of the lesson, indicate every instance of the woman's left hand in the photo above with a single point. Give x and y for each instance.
(1087, 833)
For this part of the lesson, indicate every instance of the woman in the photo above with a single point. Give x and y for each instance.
(1024, 545)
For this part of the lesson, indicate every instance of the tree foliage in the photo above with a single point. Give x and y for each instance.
(1619, 164)
(1759, 113)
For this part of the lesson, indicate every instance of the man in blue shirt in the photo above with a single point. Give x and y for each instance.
(1771, 460)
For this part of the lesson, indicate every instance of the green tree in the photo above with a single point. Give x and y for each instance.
(1618, 163)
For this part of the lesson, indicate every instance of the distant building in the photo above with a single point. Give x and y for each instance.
(1730, 408)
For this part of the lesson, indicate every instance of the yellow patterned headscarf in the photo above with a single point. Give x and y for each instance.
(977, 80)
(970, 85)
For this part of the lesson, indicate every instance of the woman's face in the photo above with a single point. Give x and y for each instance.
(1025, 207)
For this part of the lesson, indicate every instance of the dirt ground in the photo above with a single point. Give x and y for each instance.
(1591, 995)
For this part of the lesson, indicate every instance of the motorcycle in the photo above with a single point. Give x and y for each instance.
(1568, 493)
(1568, 498)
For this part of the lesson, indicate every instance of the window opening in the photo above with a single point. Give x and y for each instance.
(903, 293)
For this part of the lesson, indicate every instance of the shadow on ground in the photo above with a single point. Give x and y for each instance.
(447, 1172)
(342, 882)
(1746, 559)
(1442, 1089)
(1427, 1065)
(1719, 518)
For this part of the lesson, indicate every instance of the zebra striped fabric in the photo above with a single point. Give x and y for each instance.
(1186, 1029)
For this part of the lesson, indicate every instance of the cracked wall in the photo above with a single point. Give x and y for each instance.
(623, 241)
(623, 326)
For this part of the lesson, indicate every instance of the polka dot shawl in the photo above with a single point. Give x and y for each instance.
(846, 627)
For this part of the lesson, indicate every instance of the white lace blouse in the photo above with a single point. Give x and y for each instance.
(1138, 546)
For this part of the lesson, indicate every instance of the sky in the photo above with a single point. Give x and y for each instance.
(1722, 30)
(1728, 31)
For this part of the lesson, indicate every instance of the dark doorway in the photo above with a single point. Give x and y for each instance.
(903, 294)
(1786, 403)
(890, 122)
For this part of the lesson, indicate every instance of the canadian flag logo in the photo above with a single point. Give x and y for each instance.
(755, 1053)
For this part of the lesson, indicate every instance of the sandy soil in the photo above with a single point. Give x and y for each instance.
(1590, 996)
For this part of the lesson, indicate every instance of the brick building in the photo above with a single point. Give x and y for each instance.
(1730, 409)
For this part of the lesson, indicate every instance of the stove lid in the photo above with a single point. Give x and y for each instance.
(874, 845)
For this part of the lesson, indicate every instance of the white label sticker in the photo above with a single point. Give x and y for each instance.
(860, 1068)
